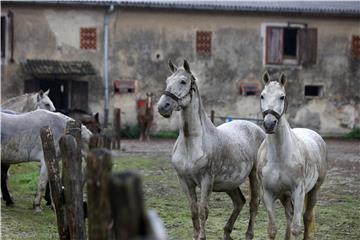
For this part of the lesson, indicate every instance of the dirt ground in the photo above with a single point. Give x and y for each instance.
(343, 161)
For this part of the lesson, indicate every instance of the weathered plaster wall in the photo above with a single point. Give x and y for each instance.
(237, 54)
(142, 41)
(52, 33)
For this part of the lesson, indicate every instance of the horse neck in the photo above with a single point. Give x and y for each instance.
(193, 118)
(280, 143)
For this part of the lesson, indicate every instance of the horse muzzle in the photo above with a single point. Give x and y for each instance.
(166, 105)
(270, 124)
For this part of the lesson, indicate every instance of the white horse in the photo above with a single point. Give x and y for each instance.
(29, 102)
(291, 163)
(216, 159)
(21, 142)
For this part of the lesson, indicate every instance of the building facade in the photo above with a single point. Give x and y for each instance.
(60, 45)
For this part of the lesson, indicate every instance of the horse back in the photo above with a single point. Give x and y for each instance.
(313, 148)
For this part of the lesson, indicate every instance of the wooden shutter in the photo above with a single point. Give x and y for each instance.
(274, 45)
(307, 46)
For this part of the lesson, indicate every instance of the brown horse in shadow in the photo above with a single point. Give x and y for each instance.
(145, 116)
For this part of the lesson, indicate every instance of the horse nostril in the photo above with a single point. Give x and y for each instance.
(167, 105)
(274, 122)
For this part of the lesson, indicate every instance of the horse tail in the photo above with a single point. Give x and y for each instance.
(312, 221)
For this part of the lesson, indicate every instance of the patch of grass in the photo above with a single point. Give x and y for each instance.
(166, 134)
(335, 219)
(354, 134)
(130, 132)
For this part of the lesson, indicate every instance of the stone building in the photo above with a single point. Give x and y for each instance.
(60, 45)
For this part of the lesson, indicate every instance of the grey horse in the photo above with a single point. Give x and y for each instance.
(216, 159)
(292, 163)
(29, 102)
(20, 142)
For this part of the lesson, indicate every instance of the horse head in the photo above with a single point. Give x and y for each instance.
(92, 123)
(178, 92)
(43, 101)
(149, 100)
(273, 101)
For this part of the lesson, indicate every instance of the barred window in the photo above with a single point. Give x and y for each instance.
(88, 38)
(203, 42)
(356, 45)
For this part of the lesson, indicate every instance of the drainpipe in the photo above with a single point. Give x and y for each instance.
(106, 65)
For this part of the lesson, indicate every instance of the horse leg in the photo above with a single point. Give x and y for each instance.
(286, 202)
(190, 192)
(41, 187)
(254, 202)
(298, 200)
(147, 131)
(309, 216)
(238, 200)
(206, 190)
(4, 189)
(269, 200)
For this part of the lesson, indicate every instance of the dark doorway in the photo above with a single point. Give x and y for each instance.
(59, 92)
(65, 94)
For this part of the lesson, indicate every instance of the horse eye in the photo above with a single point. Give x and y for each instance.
(183, 82)
(262, 97)
(282, 97)
(47, 105)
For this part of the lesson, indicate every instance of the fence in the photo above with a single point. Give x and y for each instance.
(231, 118)
(115, 206)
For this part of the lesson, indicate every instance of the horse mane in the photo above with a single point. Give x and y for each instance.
(202, 113)
(16, 99)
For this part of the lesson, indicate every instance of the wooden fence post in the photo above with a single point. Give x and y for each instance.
(72, 180)
(52, 165)
(212, 116)
(127, 205)
(100, 141)
(98, 173)
(117, 128)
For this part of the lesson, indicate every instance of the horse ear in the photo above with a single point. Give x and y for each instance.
(186, 66)
(282, 79)
(47, 92)
(266, 77)
(40, 95)
(173, 68)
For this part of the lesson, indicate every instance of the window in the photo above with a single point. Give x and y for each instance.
(123, 86)
(88, 38)
(290, 45)
(356, 46)
(313, 91)
(3, 36)
(203, 42)
(249, 89)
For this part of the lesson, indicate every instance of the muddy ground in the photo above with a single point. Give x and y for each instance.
(337, 212)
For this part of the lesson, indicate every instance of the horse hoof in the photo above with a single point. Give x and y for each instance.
(227, 237)
(37, 210)
(9, 203)
(249, 236)
(296, 230)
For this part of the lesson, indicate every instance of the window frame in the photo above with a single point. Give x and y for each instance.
(321, 90)
(285, 61)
